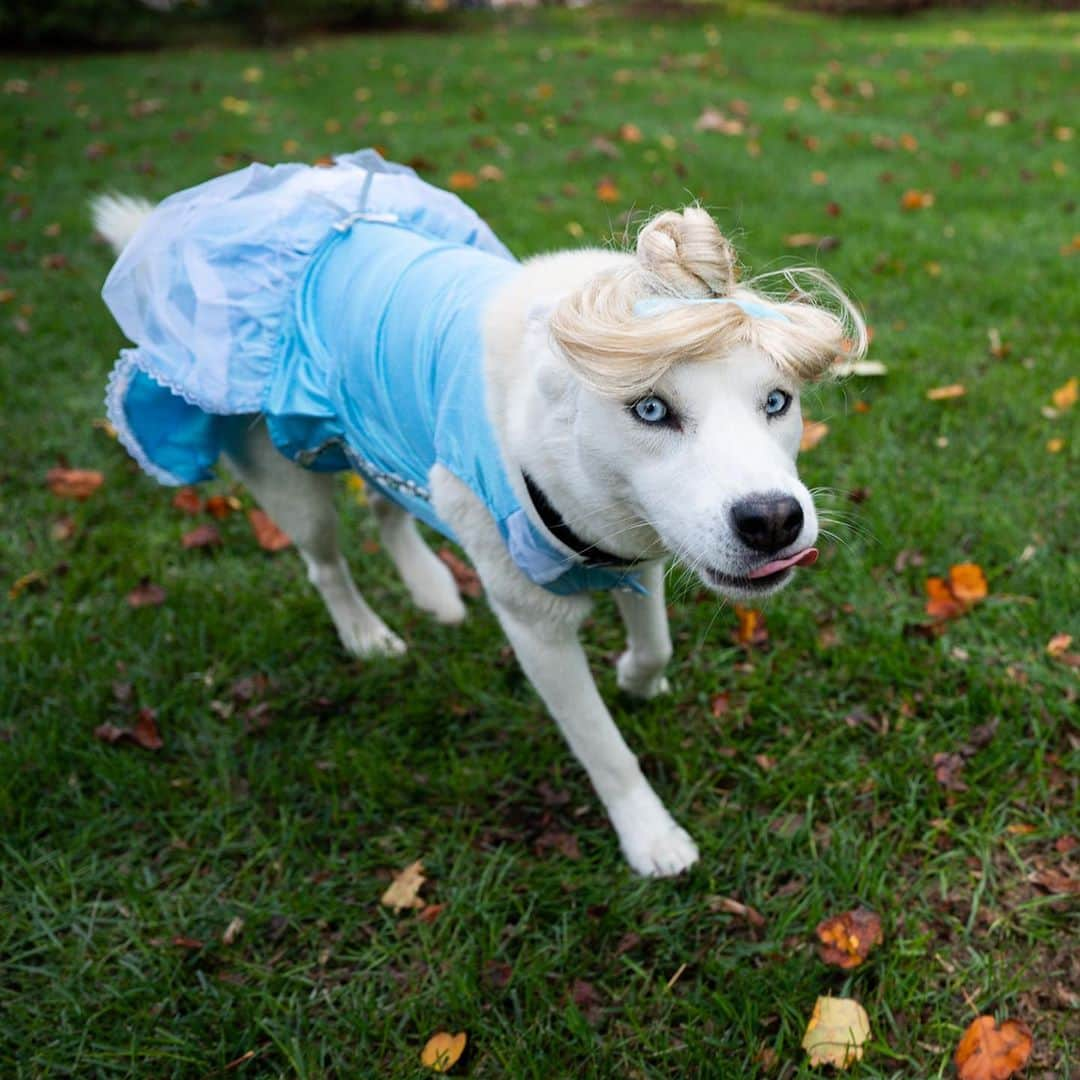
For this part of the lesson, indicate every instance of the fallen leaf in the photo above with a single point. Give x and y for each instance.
(188, 500)
(74, 483)
(203, 536)
(946, 393)
(144, 733)
(1055, 445)
(751, 629)
(430, 912)
(268, 536)
(836, 1032)
(219, 506)
(442, 1051)
(465, 577)
(34, 581)
(232, 931)
(1058, 645)
(947, 769)
(1064, 397)
(630, 133)
(735, 907)
(588, 999)
(968, 582)
(1055, 881)
(913, 199)
(714, 120)
(990, 1052)
(402, 892)
(846, 940)
(801, 240)
(462, 181)
(491, 174)
(813, 431)
(607, 192)
(146, 594)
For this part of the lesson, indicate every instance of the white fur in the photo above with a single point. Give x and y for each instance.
(118, 217)
(638, 491)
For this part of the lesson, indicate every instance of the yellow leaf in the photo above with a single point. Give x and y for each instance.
(442, 1051)
(813, 431)
(253, 74)
(1058, 645)
(403, 890)
(945, 393)
(1064, 397)
(836, 1032)
(607, 192)
(1055, 445)
(462, 181)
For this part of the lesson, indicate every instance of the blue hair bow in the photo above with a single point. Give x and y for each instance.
(658, 305)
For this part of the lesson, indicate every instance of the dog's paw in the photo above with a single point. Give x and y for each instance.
(638, 682)
(447, 609)
(653, 843)
(373, 642)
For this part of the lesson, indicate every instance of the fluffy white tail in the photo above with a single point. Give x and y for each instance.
(119, 217)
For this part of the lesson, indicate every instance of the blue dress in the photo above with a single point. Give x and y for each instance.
(343, 304)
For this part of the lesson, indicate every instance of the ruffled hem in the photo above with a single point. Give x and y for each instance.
(115, 392)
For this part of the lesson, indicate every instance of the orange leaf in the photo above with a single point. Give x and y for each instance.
(219, 506)
(967, 582)
(74, 483)
(462, 181)
(846, 940)
(607, 192)
(442, 1051)
(940, 601)
(813, 431)
(203, 536)
(989, 1052)
(913, 199)
(944, 393)
(630, 133)
(267, 534)
(1064, 397)
(1058, 645)
(751, 630)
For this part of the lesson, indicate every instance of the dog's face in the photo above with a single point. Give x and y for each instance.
(708, 460)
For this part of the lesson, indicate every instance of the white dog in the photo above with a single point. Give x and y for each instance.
(642, 405)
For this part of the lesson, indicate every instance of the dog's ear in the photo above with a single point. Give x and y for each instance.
(688, 253)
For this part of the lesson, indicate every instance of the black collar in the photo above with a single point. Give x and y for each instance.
(590, 554)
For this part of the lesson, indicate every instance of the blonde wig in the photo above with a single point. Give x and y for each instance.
(622, 353)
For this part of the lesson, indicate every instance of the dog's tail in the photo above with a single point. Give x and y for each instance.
(119, 217)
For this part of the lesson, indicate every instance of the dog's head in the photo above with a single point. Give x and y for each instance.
(689, 410)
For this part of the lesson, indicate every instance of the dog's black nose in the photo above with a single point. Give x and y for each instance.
(767, 523)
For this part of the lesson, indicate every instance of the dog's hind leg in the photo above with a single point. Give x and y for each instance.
(640, 670)
(302, 503)
(426, 576)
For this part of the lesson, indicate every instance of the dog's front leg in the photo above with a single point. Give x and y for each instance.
(640, 670)
(554, 660)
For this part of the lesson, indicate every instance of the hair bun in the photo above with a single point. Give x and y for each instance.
(688, 253)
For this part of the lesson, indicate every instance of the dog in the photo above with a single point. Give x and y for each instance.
(610, 410)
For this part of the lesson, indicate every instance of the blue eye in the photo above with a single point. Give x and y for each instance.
(650, 409)
(777, 402)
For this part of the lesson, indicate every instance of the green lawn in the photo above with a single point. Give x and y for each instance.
(814, 792)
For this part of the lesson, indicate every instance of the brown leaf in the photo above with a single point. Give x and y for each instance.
(990, 1052)
(232, 931)
(146, 594)
(813, 431)
(442, 1051)
(462, 181)
(735, 907)
(465, 577)
(203, 536)
(847, 939)
(219, 506)
(144, 733)
(268, 536)
(1055, 881)
(563, 842)
(74, 483)
(1058, 645)
(947, 769)
(182, 942)
(914, 199)
(402, 892)
(430, 912)
(188, 500)
(34, 581)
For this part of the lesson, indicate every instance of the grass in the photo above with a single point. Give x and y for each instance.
(110, 852)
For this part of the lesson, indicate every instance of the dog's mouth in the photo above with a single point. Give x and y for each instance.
(764, 577)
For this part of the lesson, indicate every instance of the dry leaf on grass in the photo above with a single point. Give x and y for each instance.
(442, 1050)
(74, 483)
(966, 585)
(144, 733)
(462, 181)
(232, 931)
(847, 939)
(465, 577)
(403, 890)
(34, 581)
(146, 594)
(268, 536)
(188, 500)
(990, 1052)
(607, 192)
(813, 431)
(751, 629)
(1058, 645)
(203, 536)
(946, 393)
(836, 1032)
(1064, 397)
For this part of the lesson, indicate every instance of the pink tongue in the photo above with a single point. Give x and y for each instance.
(806, 557)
